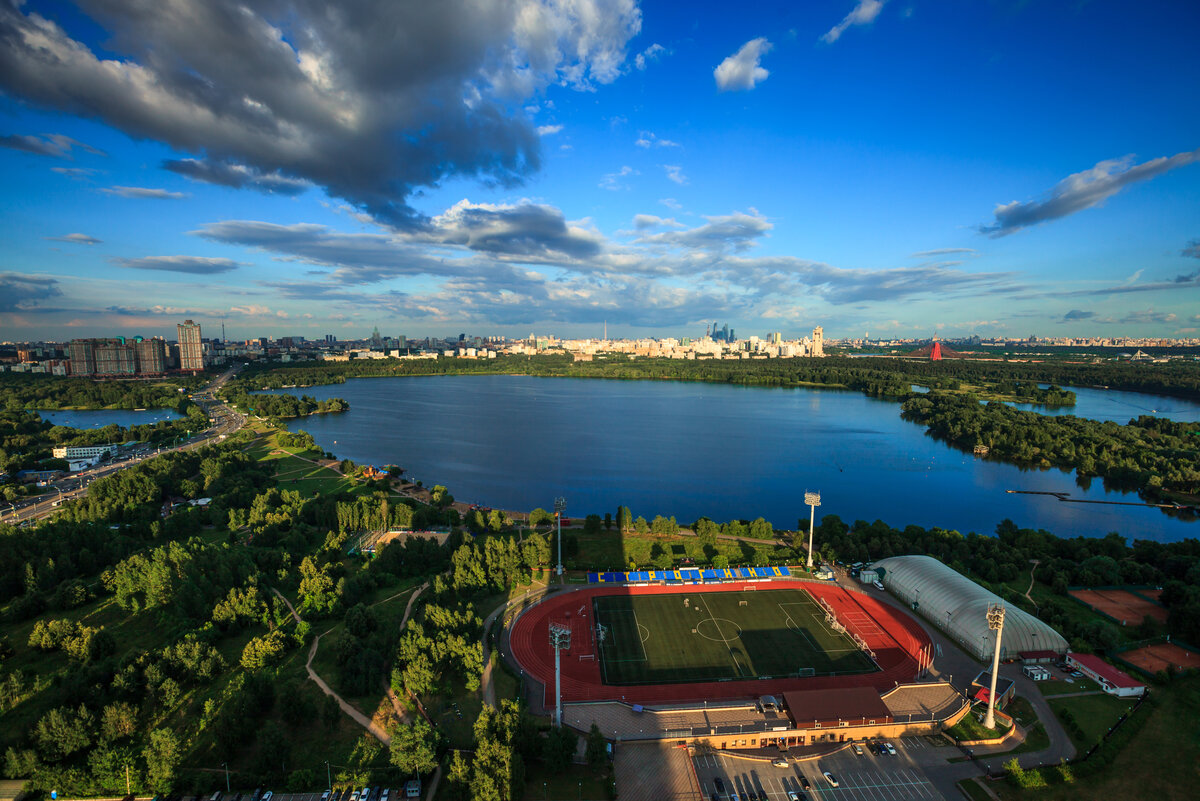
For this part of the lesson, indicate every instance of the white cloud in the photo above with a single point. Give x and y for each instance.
(675, 173)
(196, 265)
(651, 53)
(370, 100)
(862, 14)
(741, 71)
(671, 203)
(612, 181)
(548, 130)
(77, 239)
(1083, 190)
(647, 139)
(143, 192)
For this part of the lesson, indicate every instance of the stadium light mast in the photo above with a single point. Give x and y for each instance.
(813, 499)
(995, 621)
(560, 640)
(560, 504)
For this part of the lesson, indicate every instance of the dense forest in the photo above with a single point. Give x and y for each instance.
(36, 391)
(1152, 454)
(282, 406)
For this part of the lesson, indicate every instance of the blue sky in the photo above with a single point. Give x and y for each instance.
(902, 168)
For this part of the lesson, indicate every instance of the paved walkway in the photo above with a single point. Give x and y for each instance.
(352, 711)
(485, 682)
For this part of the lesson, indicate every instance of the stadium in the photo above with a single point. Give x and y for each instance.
(665, 642)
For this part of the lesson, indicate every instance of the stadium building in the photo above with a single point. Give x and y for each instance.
(958, 606)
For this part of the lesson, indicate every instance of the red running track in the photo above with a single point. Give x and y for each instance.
(898, 641)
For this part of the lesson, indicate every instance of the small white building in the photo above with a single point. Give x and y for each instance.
(1111, 680)
(84, 452)
(868, 576)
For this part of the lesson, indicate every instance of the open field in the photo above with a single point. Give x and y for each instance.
(712, 636)
(1160, 762)
(1095, 715)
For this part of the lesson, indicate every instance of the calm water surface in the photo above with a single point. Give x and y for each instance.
(693, 450)
(99, 418)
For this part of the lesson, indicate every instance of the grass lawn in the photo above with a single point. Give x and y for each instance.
(1059, 686)
(573, 782)
(711, 636)
(1160, 763)
(973, 791)
(1095, 714)
(970, 728)
(611, 550)
(295, 470)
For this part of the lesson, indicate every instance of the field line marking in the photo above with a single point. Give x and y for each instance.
(736, 663)
(609, 613)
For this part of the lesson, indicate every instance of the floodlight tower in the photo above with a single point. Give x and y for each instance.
(995, 620)
(813, 499)
(560, 504)
(560, 640)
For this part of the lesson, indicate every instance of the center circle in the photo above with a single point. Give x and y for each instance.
(718, 629)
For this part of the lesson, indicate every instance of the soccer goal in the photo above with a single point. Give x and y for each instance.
(806, 672)
(601, 633)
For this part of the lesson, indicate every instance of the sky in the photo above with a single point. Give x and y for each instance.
(894, 168)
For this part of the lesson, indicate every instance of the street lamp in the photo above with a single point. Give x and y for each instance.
(813, 499)
(560, 504)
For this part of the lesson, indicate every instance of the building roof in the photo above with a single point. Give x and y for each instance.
(849, 703)
(958, 606)
(1115, 677)
(1039, 655)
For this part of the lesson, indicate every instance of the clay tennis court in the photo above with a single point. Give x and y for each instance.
(1121, 605)
(1160, 656)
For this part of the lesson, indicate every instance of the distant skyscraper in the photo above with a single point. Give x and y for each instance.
(818, 341)
(191, 348)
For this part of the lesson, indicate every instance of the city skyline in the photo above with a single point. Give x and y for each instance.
(905, 169)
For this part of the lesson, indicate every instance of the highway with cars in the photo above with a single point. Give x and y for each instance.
(223, 421)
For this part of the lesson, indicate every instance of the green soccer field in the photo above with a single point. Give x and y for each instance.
(655, 639)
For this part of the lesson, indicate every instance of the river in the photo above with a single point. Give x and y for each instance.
(694, 449)
(99, 418)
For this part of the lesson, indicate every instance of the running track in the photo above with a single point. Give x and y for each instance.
(897, 640)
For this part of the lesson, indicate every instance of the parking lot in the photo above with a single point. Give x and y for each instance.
(869, 777)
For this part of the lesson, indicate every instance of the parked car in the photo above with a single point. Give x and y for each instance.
(858, 750)
(325, 796)
(829, 777)
(891, 749)
(779, 762)
(804, 782)
(266, 796)
(878, 585)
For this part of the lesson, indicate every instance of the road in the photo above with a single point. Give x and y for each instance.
(224, 421)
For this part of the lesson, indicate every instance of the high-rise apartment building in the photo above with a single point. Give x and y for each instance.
(151, 355)
(102, 357)
(191, 348)
(818, 341)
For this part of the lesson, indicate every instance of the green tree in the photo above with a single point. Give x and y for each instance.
(118, 720)
(414, 747)
(596, 747)
(163, 753)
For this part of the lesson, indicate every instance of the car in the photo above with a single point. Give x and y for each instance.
(714, 796)
(779, 762)
(384, 795)
(880, 749)
(324, 796)
(266, 796)
(354, 795)
(1077, 674)
(858, 750)
(891, 749)
(733, 796)
(720, 785)
(804, 782)
(878, 585)
(792, 796)
(829, 777)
